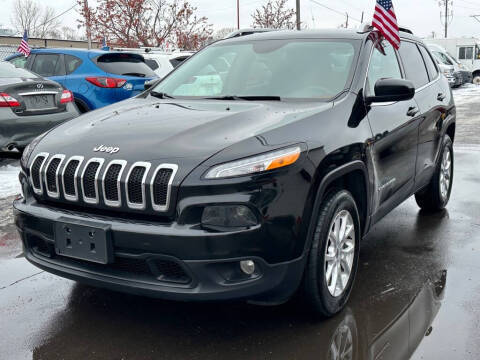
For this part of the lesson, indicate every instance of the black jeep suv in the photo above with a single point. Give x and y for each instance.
(250, 172)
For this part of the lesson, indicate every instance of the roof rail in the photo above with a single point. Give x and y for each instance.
(408, 31)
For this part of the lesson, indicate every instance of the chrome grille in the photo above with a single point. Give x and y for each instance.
(36, 172)
(161, 186)
(89, 180)
(101, 184)
(70, 176)
(51, 175)
(136, 185)
(111, 182)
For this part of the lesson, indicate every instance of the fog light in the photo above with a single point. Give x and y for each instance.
(247, 266)
(227, 217)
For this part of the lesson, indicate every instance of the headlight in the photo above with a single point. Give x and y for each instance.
(29, 149)
(256, 164)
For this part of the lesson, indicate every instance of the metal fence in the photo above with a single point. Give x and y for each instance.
(6, 50)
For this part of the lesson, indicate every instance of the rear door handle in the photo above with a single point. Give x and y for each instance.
(441, 97)
(412, 111)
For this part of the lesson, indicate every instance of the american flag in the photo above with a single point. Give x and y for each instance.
(24, 48)
(385, 21)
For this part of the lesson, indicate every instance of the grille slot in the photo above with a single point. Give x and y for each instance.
(89, 180)
(35, 172)
(136, 185)
(111, 182)
(51, 175)
(69, 177)
(161, 186)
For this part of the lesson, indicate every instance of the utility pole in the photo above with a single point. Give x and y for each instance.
(346, 24)
(238, 14)
(298, 15)
(447, 15)
(363, 13)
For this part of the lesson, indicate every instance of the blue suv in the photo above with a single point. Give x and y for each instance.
(97, 78)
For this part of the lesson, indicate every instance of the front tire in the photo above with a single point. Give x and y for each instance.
(333, 257)
(436, 195)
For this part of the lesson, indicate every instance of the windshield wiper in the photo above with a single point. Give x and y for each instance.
(161, 95)
(248, 98)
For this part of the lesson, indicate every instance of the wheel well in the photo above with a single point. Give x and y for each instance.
(82, 107)
(355, 183)
(451, 131)
(476, 73)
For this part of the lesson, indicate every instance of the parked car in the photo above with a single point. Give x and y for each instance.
(97, 78)
(253, 184)
(461, 71)
(164, 63)
(466, 50)
(29, 106)
(446, 68)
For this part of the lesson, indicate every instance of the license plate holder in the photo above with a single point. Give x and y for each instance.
(40, 102)
(84, 240)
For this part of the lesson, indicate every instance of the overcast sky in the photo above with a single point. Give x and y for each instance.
(421, 16)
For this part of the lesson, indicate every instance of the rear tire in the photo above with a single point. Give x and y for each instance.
(333, 257)
(436, 195)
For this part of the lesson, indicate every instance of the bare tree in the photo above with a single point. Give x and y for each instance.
(275, 15)
(147, 23)
(38, 20)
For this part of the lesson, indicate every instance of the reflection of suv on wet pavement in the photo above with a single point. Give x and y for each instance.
(259, 184)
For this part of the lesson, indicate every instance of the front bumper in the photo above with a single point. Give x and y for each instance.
(164, 261)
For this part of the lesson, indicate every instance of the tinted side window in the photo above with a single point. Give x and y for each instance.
(382, 67)
(413, 62)
(47, 65)
(72, 63)
(19, 61)
(431, 67)
(152, 64)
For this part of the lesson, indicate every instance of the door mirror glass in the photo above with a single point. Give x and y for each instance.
(388, 90)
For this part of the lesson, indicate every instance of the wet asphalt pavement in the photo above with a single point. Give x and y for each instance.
(417, 294)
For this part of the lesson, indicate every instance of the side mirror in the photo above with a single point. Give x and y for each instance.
(150, 83)
(387, 90)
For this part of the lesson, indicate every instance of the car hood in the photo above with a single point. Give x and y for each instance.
(160, 130)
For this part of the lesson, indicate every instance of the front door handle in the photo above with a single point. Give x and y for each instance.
(412, 111)
(441, 97)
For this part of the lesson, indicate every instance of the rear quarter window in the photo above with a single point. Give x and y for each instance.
(415, 69)
(430, 64)
(72, 63)
(124, 64)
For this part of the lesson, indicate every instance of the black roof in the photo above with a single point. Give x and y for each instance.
(313, 34)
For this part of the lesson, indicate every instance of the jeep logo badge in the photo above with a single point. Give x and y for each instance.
(106, 149)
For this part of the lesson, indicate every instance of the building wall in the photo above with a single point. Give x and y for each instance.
(51, 43)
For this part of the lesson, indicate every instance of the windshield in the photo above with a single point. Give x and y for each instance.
(8, 70)
(442, 58)
(289, 69)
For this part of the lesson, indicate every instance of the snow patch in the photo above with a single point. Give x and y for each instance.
(9, 184)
